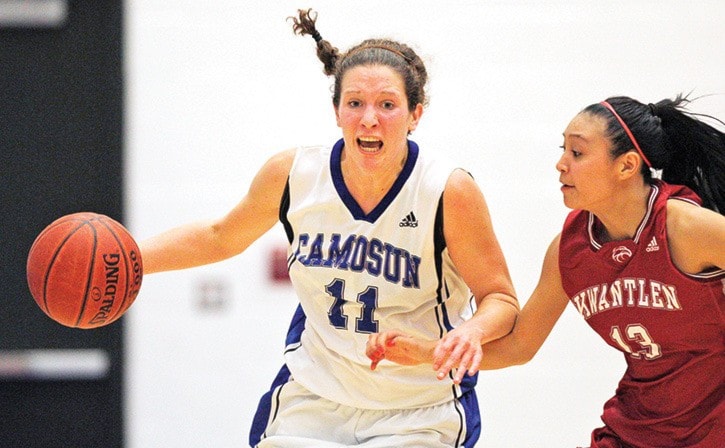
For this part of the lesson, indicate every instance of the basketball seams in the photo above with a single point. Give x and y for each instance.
(46, 274)
(55, 224)
(91, 271)
(78, 291)
(127, 265)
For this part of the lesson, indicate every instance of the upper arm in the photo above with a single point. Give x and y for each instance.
(259, 209)
(210, 241)
(471, 240)
(696, 237)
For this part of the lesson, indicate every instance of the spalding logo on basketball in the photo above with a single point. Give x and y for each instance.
(84, 270)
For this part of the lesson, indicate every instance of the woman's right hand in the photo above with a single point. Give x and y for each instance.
(400, 348)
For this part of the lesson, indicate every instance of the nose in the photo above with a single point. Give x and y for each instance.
(369, 117)
(561, 166)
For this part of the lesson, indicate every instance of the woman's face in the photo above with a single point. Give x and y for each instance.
(586, 170)
(374, 116)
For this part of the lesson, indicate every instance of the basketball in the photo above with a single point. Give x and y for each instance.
(84, 270)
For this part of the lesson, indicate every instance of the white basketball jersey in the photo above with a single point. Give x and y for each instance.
(357, 273)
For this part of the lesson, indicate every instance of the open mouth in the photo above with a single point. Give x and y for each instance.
(369, 144)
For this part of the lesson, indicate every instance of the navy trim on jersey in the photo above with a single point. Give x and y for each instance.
(283, 209)
(472, 414)
(265, 407)
(439, 241)
(349, 201)
(297, 325)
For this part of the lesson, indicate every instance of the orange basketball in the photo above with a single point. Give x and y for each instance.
(84, 270)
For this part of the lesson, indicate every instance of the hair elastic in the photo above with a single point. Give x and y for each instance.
(629, 133)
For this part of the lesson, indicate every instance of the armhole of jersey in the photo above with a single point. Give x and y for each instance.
(439, 237)
(283, 209)
(684, 199)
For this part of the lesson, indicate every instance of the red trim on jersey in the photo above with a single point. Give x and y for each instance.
(629, 133)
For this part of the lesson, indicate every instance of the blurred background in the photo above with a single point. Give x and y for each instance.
(157, 113)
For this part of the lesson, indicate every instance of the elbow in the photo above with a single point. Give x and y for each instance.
(509, 322)
(523, 357)
(506, 352)
(503, 361)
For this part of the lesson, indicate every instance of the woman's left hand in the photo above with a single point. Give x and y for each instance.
(460, 349)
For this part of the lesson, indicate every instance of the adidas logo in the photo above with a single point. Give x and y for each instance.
(652, 246)
(409, 221)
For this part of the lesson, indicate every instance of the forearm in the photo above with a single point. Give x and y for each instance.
(532, 327)
(505, 352)
(183, 247)
(495, 316)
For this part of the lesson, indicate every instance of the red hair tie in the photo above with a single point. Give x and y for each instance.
(629, 133)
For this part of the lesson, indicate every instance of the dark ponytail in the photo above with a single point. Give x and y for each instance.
(698, 153)
(686, 149)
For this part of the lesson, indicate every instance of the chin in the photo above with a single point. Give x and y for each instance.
(569, 203)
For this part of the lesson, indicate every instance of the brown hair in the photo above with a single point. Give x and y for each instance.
(390, 53)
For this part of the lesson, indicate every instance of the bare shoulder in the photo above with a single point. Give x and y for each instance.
(272, 176)
(688, 221)
(266, 189)
(462, 192)
(696, 236)
(461, 181)
(280, 163)
(466, 213)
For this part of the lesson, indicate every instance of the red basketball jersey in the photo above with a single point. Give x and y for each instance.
(669, 325)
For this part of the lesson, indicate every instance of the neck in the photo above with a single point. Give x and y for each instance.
(623, 217)
(369, 184)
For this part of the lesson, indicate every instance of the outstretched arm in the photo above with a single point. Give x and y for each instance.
(532, 327)
(205, 242)
(537, 319)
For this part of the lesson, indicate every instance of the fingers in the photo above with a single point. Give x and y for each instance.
(456, 354)
(453, 353)
(375, 349)
(374, 364)
(376, 345)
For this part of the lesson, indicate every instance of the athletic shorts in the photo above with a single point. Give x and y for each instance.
(290, 416)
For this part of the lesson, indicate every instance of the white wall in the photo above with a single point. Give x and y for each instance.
(214, 88)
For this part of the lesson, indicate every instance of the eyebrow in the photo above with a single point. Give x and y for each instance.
(576, 134)
(395, 92)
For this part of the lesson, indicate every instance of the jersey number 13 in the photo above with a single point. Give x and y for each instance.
(637, 334)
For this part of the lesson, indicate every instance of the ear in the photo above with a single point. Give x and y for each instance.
(415, 118)
(629, 164)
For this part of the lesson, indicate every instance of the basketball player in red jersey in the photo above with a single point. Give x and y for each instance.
(642, 260)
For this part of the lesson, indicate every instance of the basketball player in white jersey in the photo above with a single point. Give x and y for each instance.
(380, 237)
